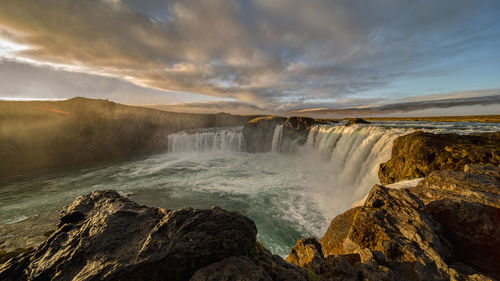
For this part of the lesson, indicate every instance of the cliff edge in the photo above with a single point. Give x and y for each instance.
(418, 154)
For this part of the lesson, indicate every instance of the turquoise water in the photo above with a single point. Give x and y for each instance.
(288, 195)
(269, 188)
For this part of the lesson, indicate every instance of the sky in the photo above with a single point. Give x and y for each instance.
(255, 56)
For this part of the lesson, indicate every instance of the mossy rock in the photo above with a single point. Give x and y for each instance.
(418, 154)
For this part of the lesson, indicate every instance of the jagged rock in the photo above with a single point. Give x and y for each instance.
(232, 268)
(356, 121)
(458, 185)
(105, 236)
(473, 231)
(307, 254)
(277, 267)
(262, 266)
(417, 154)
(258, 133)
(445, 228)
(307, 251)
(295, 131)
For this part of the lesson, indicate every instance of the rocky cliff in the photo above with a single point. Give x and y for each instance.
(418, 154)
(40, 135)
(259, 132)
(445, 228)
(104, 236)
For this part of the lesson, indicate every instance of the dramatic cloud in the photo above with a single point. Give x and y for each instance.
(262, 53)
(489, 105)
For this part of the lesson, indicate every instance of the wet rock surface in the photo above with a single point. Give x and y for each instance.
(258, 133)
(446, 228)
(103, 236)
(418, 154)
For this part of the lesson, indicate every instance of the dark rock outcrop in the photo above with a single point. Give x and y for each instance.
(446, 228)
(258, 133)
(105, 236)
(356, 121)
(295, 131)
(259, 267)
(417, 154)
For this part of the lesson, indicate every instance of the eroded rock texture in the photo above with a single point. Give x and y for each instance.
(446, 228)
(103, 236)
(259, 132)
(418, 154)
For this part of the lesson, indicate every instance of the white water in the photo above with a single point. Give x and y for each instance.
(277, 138)
(289, 195)
(353, 155)
(212, 139)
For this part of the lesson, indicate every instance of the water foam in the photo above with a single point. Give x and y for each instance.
(277, 138)
(202, 140)
(353, 155)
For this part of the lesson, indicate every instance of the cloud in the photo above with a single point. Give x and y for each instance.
(24, 81)
(419, 107)
(262, 52)
(452, 103)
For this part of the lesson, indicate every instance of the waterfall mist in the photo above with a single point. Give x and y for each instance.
(203, 140)
(290, 192)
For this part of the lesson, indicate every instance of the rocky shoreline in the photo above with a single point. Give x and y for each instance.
(445, 228)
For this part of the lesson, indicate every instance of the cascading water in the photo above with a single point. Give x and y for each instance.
(277, 138)
(353, 155)
(288, 195)
(213, 139)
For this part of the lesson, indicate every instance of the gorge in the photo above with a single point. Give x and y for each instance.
(292, 177)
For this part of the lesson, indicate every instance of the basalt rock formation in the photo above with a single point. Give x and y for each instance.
(258, 133)
(356, 121)
(445, 228)
(418, 154)
(104, 236)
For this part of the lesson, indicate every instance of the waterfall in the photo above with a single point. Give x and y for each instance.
(277, 138)
(210, 139)
(353, 154)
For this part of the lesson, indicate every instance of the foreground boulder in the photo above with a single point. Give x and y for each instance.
(446, 228)
(105, 236)
(417, 154)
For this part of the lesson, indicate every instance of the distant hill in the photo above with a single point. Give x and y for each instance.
(37, 135)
